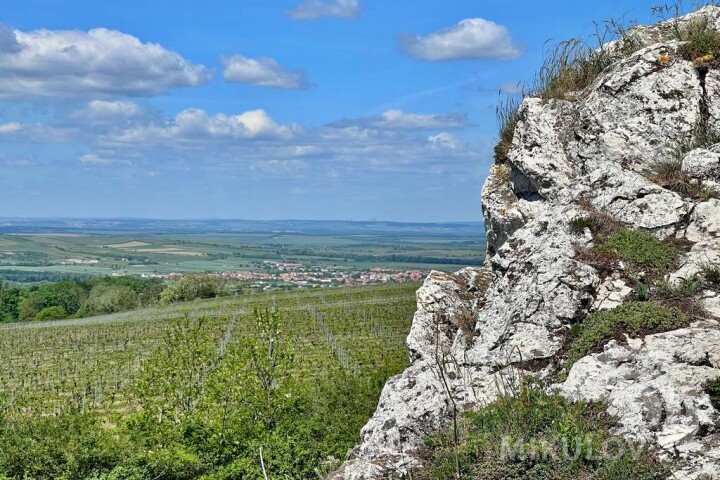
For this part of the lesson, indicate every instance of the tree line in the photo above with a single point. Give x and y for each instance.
(81, 298)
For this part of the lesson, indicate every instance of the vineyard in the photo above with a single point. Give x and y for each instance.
(93, 363)
(199, 390)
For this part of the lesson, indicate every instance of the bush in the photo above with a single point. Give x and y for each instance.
(634, 319)
(642, 250)
(534, 422)
(73, 445)
(105, 299)
(190, 287)
(51, 313)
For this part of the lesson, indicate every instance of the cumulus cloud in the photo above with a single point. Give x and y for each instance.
(66, 63)
(195, 126)
(94, 159)
(471, 39)
(314, 9)
(262, 72)
(397, 119)
(8, 40)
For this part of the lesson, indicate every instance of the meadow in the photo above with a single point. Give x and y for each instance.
(341, 345)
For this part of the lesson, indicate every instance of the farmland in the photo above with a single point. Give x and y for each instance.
(49, 250)
(344, 344)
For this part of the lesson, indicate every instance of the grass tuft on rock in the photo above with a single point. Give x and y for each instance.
(712, 388)
(526, 437)
(578, 224)
(641, 250)
(635, 319)
(702, 42)
(711, 272)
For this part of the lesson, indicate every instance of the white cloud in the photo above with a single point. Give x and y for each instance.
(93, 159)
(473, 38)
(107, 111)
(262, 72)
(35, 133)
(8, 40)
(399, 120)
(313, 9)
(444, 142)
(10, 128)
(65, 63)
(195, 126)
(279, 167)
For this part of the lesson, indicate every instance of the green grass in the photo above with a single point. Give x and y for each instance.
(641, 250)
(534, 421)
(700, 39)
(634, 319)
(711, 272)
(578, 224)
(712, 388)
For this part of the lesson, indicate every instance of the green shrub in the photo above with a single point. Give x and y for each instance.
(641, 249)
(634, 319)
(51, 313)
(105, 299)
(534, 421)
(73, 445)
(190, 287)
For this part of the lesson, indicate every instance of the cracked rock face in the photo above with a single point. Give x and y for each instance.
(515, 313)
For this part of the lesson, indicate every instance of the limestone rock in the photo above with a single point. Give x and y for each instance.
(470, 328)
(656, 391)
(702, 164)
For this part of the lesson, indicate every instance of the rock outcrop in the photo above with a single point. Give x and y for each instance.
(595, 152)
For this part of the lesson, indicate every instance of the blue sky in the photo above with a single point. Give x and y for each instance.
(258, 109)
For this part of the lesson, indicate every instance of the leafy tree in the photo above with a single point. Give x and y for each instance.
(109, 299)
(10, 298)
(66, 294)
(190, 287)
